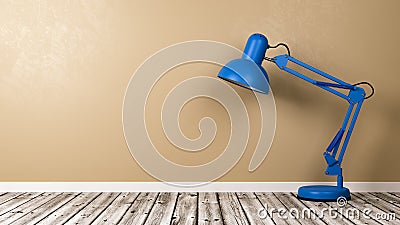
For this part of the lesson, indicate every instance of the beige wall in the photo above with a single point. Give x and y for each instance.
(64, 67)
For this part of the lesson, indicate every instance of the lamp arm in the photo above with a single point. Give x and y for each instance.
(355, 98)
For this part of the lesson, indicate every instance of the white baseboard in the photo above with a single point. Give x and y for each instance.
(165, 187)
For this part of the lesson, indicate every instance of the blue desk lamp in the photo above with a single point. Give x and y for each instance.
(247, 72)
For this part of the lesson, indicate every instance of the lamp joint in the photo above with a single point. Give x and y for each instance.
(356, 95)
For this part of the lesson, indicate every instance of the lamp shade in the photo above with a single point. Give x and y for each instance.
(247, 71)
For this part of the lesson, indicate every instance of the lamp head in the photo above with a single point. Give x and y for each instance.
(247, 71)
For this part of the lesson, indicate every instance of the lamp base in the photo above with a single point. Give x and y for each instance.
(322, 193)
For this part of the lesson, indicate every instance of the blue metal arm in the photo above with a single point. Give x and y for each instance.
(355, 97)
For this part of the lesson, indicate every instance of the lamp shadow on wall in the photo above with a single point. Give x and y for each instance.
(385, 145)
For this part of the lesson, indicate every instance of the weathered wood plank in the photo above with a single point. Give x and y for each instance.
(273, 206)
(251, 206)
(45, 209)
(291, 202)
(361, 205)
(393, 199)
(94, 209)
(114, 213)
(379, 203)
(185, 209)
(8, 196)
(24, 209)
(321, 210)
(231, 210)
(352, 211)
(140, 209)
(163, 209)
(17, 201)
(67, 211)
(209, 210)
(395, 193)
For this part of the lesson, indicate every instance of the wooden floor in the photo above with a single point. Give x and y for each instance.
(183, 208)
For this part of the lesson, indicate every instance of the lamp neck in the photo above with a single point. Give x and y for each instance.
(255, 49)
